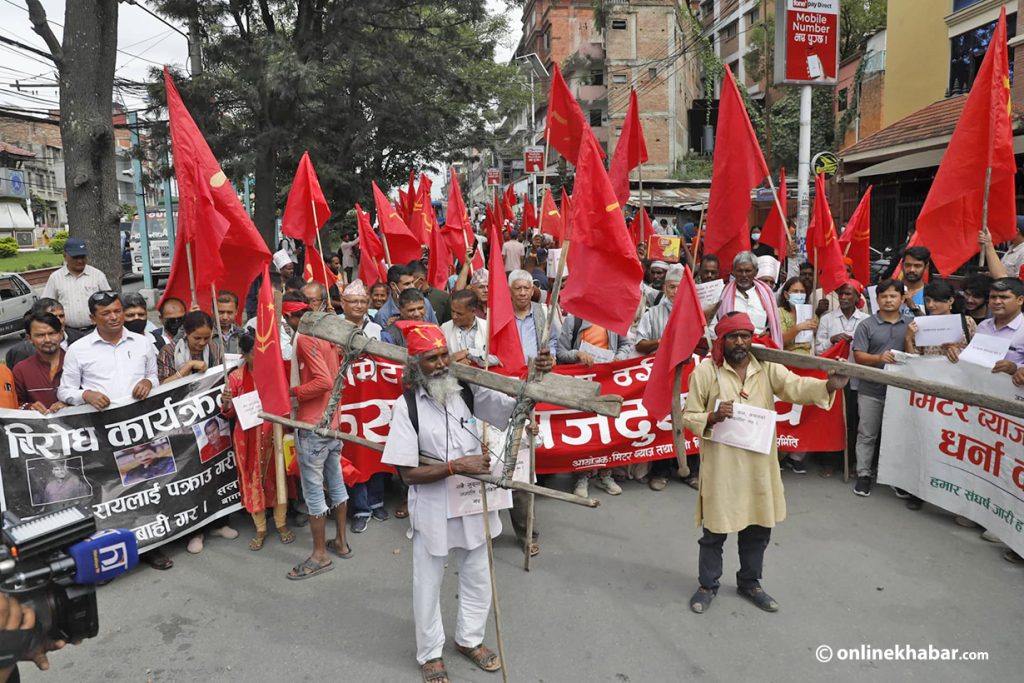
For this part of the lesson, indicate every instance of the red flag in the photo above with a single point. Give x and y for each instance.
(856, 239)
(737, 168)
(775, 233)
(419, 219)
(267, 364)
(402, 246)
(952, 213)
(458, 229)
(550, 218)
(440, 265)
(630, 151)
(504, 333)
(822, 243)
(683, 331)
(529, 215)
(407, 199)
(506, 210)
(566, 208)
(220, 224)
(372, 268)
(317, 269)
(510, 196)
(566, 126)
(605, 273)
(641, 227)
(306, 210)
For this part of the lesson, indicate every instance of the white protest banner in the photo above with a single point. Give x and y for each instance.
(552, 265)
(804, 312)
(464, 493)
(750, 428)
(873, 298)
(964, 459)
(247, 409)
(597, 353)
(710, 293)
(985, 350)
(936, 330)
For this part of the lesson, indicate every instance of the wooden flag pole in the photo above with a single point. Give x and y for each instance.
(691, 257)
(191, 274)
(984, 214)
(678, 431)
(323, 262)
(220, 333)
(778, 207)
(531, 499)
(279, 473)
(384, 242)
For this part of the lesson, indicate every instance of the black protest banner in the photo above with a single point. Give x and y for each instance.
(160, 467)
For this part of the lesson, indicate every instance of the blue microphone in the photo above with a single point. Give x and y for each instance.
(104, 555)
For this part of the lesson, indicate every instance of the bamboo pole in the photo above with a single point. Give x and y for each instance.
(946, 391)
(323, 262)
(530, 501)
(220, 333)
(191, 274)
(984, 214)
(279, 474)
(427, 460)
(678, 431)
(778, 207)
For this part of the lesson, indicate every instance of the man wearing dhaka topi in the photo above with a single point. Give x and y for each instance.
(740, 489)
(446, 413)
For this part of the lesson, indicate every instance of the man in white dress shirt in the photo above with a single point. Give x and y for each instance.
(110, 364)
(447, 431)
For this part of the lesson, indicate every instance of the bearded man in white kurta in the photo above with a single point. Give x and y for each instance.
(741, 490)
(448, 432)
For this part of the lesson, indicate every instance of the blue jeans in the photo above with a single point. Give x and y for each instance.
(368, 496)
(319, 463)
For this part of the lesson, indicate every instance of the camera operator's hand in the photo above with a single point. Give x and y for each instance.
(15, 617)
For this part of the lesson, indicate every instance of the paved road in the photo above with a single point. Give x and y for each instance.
(606, 601)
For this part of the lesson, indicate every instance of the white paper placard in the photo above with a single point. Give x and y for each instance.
(803, 313)
(985, 350)
(552, 264)
(936, 330)
(464, 493)
(750, 428)
(710, 293)
(872, 298)
(247, 409)
(597, 353)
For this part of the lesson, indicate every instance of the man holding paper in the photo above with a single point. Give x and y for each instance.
(730, 406)
(1005, 300)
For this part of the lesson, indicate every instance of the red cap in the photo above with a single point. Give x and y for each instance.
(421, 337)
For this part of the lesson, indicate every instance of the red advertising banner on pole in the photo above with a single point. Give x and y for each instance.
(493, 177)
(806, 41)
(533, 159)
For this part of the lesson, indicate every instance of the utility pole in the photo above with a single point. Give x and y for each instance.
(803, 191)
(195, 48)
(140, 200)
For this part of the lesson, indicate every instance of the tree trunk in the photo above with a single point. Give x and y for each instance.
(85, 63)
(266, 192)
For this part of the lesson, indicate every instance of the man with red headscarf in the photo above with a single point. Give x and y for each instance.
(437, 417)
(741, 490)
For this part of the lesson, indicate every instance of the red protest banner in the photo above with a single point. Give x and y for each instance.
(570, 440)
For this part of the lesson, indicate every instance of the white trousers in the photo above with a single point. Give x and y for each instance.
(474, 597)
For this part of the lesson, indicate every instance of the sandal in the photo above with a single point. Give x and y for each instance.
(534, 549)
(333, 547)
(308, 568)
(481, 656)
(701, 600)
(157, 560)
(756, 595)
(286, 534)
(693, 482)
(403, 511)
(433, 671)
(257, 543)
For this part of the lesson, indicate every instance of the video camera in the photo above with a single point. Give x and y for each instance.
(51, 564)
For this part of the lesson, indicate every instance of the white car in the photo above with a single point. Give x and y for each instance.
(16, 299)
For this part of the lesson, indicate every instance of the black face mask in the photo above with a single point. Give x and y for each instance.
(136, 326)
(172, 325)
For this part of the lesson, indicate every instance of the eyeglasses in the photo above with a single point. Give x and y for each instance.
(104, 298)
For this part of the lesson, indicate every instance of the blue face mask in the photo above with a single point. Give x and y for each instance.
(797, 298)
(755, 237)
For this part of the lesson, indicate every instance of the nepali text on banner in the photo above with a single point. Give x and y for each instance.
(962, 458)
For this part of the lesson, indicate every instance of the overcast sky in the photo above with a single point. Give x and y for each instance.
(143, 42)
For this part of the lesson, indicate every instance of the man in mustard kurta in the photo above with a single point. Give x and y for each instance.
(740, 490)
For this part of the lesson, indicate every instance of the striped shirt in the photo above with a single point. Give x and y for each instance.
(73, 292)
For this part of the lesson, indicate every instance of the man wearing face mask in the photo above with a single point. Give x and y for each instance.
(172, 313)
(755, 243)
(136, 318)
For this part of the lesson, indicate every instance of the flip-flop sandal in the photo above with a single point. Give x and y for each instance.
(534, 549)
(256, 543)
(287, 535)
(332, 546)
(299, 573)
(402, 512)
(481, 656)
(692, 482)
(434, 675)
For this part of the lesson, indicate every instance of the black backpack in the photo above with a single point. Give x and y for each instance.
(410, 402)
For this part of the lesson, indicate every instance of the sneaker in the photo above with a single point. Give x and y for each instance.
(606, 482)
(657, 483)
(359, 524)
(225, 532)
(966, 523)
(195, 544)
(582, 487)
(900, 493)
(990, 537)
(380, 514)
(863, 487)
(797, 466)
(1012, 557)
